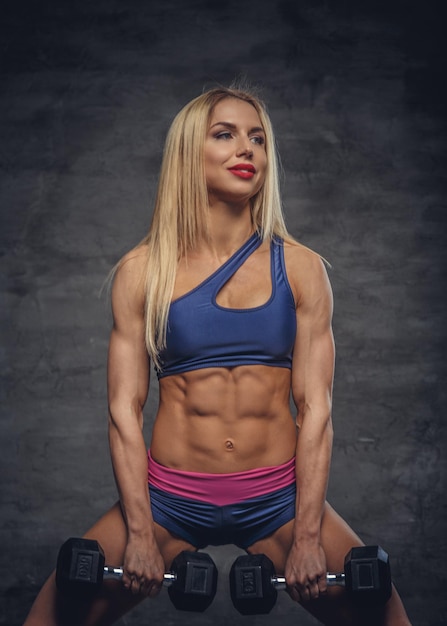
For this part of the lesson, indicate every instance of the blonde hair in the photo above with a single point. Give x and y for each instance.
(180, 215)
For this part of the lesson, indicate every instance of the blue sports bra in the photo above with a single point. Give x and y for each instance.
(201, 333)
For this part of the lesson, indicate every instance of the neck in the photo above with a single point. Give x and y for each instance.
(229, 228)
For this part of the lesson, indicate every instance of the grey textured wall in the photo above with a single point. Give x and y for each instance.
(357, 93)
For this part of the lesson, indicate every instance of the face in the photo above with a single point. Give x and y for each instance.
(234, 152)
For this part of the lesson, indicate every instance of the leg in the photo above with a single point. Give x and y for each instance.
(334, 609)
(49, 609)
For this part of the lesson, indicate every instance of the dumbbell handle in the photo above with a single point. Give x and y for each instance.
(116, 573)
(279, 582)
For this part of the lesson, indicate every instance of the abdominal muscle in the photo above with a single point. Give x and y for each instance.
(224, 420)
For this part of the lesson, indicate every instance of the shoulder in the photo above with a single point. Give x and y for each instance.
(306, 272)
(134, 261)
(129, 276)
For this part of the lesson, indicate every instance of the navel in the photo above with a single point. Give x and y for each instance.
(229, 444)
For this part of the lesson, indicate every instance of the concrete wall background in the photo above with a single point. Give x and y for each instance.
(357, 93)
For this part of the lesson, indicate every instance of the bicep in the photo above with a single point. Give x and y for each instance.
(128, 362)
(314, 351)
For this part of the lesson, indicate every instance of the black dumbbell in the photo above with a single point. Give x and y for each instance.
(366, 577)
(80, 570)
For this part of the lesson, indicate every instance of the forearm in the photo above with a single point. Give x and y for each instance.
(313, 458)
(129, 460)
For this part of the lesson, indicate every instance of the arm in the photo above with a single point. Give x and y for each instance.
(312, 378)
(128, 382)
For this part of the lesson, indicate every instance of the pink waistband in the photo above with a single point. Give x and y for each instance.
(220, 489)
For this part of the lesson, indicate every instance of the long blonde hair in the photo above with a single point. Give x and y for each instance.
(180, 215)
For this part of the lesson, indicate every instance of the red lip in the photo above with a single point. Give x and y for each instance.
(243, 170)
(244, 166)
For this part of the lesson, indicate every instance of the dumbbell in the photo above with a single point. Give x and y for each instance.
(81, 569)
(366, 577)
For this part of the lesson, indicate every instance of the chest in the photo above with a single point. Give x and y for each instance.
(248, 287)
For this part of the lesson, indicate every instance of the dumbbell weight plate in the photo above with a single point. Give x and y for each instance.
(368, 575)
(251, 588)
(80, 566)
(196, 581)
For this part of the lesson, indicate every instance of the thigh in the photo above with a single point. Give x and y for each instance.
(113, 600)
(111, 532)
(337, 538)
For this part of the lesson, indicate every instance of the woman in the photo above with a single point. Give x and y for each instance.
(235, 316)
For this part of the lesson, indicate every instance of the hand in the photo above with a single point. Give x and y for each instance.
(305, 571)
(143, 566)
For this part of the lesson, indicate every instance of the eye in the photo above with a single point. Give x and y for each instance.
(258, 139)
(223, 135)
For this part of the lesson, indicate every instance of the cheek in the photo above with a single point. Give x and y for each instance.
(215, 155)
(210, 167)
(211, 162)
(262, 167)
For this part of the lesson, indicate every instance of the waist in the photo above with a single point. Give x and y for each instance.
(221, 489)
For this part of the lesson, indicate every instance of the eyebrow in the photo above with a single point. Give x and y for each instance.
(255, 129)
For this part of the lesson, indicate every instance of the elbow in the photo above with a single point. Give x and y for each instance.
(124, 415)
(316, 414)
(330, 429)
(325, 434)
(114, 424)
(114, 412)
(324, 417)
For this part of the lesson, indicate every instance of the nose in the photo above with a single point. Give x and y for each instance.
(245, 148)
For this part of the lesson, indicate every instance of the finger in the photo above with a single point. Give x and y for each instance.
(312, 588)
(314, 591)
(154, 590)
(322, 585)
(145, 587)
(150, 588)
(300, 593)
(304, 593)
(135, 586)
(294, 594)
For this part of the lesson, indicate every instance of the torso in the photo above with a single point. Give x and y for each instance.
(218, 419)
(224, 420)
